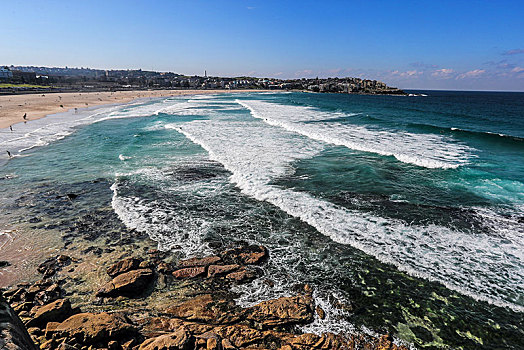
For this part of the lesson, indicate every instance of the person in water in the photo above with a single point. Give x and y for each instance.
(10, 128)
(9, 154)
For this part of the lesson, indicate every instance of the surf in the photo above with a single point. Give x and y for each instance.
(425, 150)
(256, 154)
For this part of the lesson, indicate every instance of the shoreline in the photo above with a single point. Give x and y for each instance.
(40, 105)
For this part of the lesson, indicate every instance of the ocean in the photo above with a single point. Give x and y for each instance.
(405, 213)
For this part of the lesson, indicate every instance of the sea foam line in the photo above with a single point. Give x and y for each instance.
(425, 150)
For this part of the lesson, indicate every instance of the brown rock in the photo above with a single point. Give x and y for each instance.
(153, 252)
(50, 329)
(159, 325)
(130, 283)
(24, 316)
(313, 341)
(63, 259)
(218, 270)
(247, 255)
(123, 266)
(15, 294)
(207, 309)
(40, 340)
(164, 268)
(181, 339)
(65, 346)
(385, 342)
(189, 272)
(320, 312)
(254, 255)
(240, 335)
(32, 291)
(282, 311)
(242, 275)
(51, 265)
(25, 306)
(56, 311)
(54, 288)
(331, 341)
(194, 262)
(50, 344)
(89, 328)
(146, 265)
(35, 331)
(45, 297)
(47, 294)
(308, 289)
(129, 345)
(212, 344)
(226, 345)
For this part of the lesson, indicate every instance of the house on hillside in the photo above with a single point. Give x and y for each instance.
(5, 73)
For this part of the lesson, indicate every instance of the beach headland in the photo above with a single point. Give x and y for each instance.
(38, 105)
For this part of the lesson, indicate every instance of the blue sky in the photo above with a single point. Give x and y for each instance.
(463, 45)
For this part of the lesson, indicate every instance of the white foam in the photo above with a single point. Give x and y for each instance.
(164, 225)
(174, 227)
(41, 132)
(480, 265)
(123, 158)
(426, 150)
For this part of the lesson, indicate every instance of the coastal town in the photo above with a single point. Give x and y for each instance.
(19, 79)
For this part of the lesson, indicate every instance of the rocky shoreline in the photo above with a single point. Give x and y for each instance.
(196, 309)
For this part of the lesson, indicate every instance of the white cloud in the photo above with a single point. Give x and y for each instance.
(334, 71)
(517, 70)
(472, 74)
(513, 52)
(409, 73)
(442, 73)
(304, 73)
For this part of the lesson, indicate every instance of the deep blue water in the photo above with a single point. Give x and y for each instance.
(408, 209)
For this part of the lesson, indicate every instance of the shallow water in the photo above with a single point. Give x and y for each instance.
(405, 213)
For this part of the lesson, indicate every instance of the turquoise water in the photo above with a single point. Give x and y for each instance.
(405, 213)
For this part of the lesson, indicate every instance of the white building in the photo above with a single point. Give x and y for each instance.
(5, 73)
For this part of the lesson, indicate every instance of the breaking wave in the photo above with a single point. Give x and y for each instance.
(483, 266)
(425, 150)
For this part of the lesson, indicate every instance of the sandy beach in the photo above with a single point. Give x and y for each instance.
(13, 107)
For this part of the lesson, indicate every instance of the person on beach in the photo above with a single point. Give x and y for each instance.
(25, 116)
